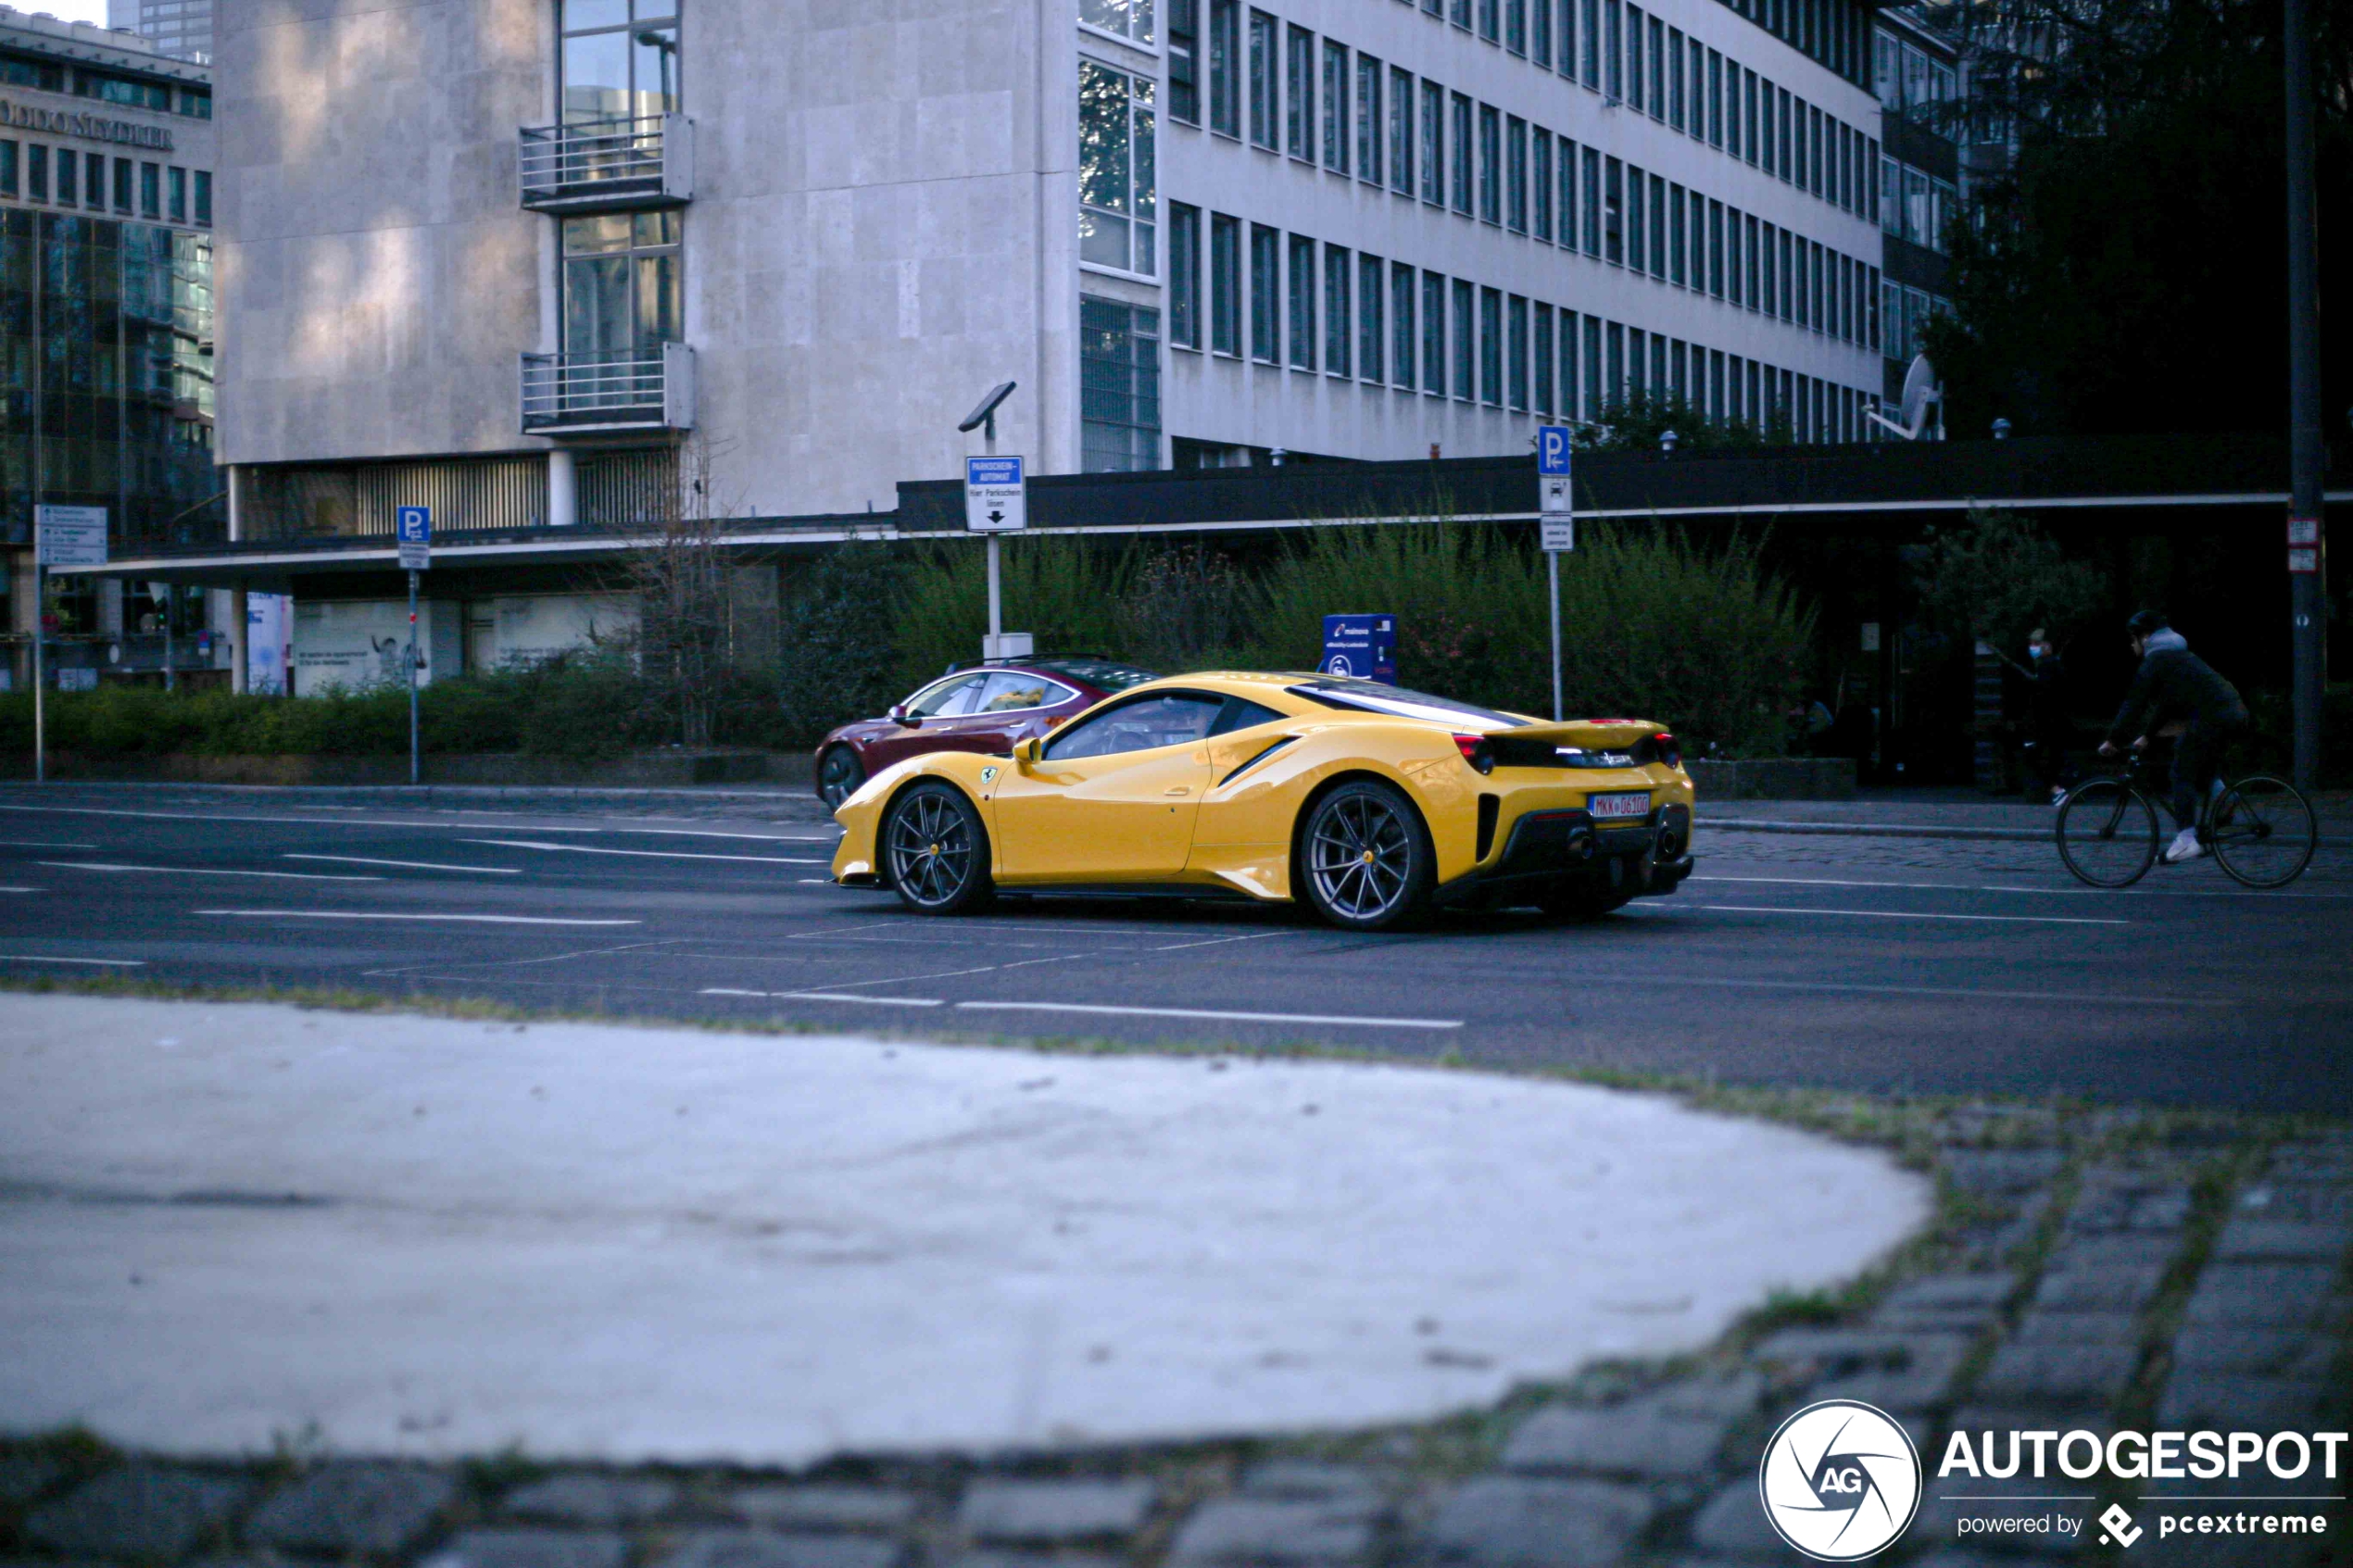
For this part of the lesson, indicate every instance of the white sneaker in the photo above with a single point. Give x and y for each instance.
(2057, 795)
(2185, 847)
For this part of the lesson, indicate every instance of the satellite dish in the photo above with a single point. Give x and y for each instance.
(1920, 392)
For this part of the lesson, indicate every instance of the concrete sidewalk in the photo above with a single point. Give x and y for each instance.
(226, 1224)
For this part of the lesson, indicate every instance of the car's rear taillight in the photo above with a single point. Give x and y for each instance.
(1477, 752)
(1669, 751)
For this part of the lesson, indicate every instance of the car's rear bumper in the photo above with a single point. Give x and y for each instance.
(1567, 843)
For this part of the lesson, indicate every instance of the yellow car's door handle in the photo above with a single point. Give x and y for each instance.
(1180, 789)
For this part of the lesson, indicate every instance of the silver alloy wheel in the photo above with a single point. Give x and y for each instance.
(838, 775)
(1360, 851)
(931, 849)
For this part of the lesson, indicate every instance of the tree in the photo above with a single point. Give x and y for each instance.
(677, 565)
(1998, 576)
(1635, 424)
(2127, 271)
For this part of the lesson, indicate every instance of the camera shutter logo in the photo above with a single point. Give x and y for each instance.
(1840, 1481)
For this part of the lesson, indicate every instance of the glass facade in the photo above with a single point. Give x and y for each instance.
(106, 330)
(620, 59)
(1118, 386)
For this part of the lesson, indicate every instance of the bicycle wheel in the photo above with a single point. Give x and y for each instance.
(2263, 832)
(2107, 832)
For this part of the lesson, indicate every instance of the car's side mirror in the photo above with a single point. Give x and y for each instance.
(898, 715)
(1025, 755)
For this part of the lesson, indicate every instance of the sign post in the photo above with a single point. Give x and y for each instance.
(1556, 500)
(62, 537)
(415, 525)
(997, 501)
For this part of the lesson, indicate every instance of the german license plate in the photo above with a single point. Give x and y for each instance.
(1621, 806)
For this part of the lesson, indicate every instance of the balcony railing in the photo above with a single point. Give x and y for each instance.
(627, 390)
(607, 165)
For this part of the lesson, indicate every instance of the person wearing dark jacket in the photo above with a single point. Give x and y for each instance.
(2045, 716)
(2177, 693)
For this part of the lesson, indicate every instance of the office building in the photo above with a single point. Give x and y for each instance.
(105, 261)
(182, 29)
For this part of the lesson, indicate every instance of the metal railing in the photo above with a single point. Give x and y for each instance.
(589, 166)
(624, 389)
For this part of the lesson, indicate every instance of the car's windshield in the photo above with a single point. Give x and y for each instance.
(1100, 673)
(1371, 697)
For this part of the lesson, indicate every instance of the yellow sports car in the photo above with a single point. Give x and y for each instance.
(1372, 803)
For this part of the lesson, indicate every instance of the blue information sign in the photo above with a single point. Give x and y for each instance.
(414, 527)
(1363, 646)
(1552, 449)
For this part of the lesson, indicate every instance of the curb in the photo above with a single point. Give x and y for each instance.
(1912, 830)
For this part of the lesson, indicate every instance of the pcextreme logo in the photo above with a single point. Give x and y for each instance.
(1840, 1481)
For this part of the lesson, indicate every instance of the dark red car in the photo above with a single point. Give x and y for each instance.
(988, 708)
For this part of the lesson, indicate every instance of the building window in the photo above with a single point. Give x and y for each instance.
(1460, 128)
(70, 177)
(1614, 215)
(1675, 236)
(1433, 334)
(1183, 275)
(1658, 70)
(7, 169)
(1516, 24)
(1184, 60)
(1372, 337)
(1339, 313)
(1262, 80)
(1634, 59)
(125, 185)
(1303, 303)
(1117, 209)
(1516, 346)
(1716, 248)
(620, 60)
(1131, 19)
(1368, 121)
(1594, 202)
(1637, 230)
(622, 288)
(1265, 294)
(1335, 117)
(1465, 340)
(1118, 387)
(1401, 324)
(1400, 131)
(150, 190)
(93, 182)
(1591, 393)
(1516, 175)
(1225, 284)
(177, 183)
(1614, 50)
(1589, 46)
(1299, 81)
(204, 196)
(37, 172)
(1540, 181)
(1433, 143)
(1225, 67)
(1491, 163)
(1490, 26)
(1543, 359)
(1540, 31)
(1659, 226)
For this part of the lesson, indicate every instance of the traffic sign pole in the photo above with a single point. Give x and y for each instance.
(40, 678)
(1552, 574)
(61, 536)
(413, 529)
(415, 772)
(995, 602)
(1556, 502)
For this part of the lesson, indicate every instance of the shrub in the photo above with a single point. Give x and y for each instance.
(1069, 593)
(840, 662)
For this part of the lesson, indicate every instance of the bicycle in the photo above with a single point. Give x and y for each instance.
(2260, 830)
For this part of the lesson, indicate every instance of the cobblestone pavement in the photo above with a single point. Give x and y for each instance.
(2093, 1271)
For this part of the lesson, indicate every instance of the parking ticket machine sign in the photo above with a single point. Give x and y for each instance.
(1361, 647)
(996, 499)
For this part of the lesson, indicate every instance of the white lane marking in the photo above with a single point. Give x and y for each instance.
(643, 854)
(1220, 1016)
(2071, 999)
(827, 997)
(201, 871)
(296, 821)
(94, 963)
(714, 832)
(1220, 941)
(23, 890)
(412, 865)
(1834, 881)
(2012, 888)
(41, 844)
(1909, 914)
(365, 914)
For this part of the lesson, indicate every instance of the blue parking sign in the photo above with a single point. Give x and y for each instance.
(1552, 449)
(413, 528)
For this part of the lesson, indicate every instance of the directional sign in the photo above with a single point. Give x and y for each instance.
(71, 536)
(1551, 449)
(415, 524)
(994, 499)
(1556, 499)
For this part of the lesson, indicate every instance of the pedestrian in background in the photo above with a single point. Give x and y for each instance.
(2045, 717)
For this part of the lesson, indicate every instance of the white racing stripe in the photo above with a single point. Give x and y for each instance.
(409, 865)
(1908, 914)
(1220, 1016)
(370, 914)
(827, 997)
(94, 963)
(643, 854)
(201, 871)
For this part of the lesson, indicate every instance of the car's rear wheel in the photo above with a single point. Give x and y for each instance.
(1364, 862)
(838, 775)
(937, 850)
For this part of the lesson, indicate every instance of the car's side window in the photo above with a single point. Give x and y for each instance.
(1008, 693)
(1243, 714)
(949, 699)
(1164, 719)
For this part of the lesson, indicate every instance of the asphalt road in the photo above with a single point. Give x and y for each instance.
(1929, 966)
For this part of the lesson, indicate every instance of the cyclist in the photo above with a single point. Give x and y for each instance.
(2176, 693)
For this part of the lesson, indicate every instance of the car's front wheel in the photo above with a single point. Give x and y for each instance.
(1364, 861)
(937, 851)
(838, 775)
